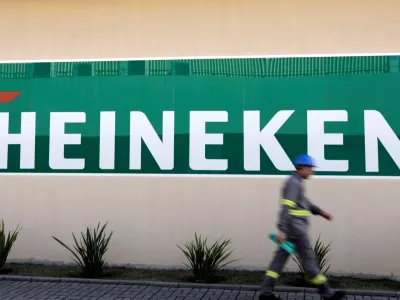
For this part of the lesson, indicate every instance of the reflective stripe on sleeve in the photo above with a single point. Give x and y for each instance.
(299, 212)
(289, 203)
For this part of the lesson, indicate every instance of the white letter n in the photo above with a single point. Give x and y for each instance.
(377, 129)
(162, 151)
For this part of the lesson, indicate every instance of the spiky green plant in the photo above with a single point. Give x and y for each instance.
(206, 261)
(6, 243)
(89, 252)
(321, 254)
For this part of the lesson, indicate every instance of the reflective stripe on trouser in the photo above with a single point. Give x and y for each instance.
(308, 261)
(319, 279)
(272, 274)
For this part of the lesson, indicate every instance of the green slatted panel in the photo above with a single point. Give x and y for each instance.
(66, 69)
(159, 67)
(13, 71)
(203, 67)
(229, 67)
(212, 67)
(195, 66)
(236, 68)
(106, 68)
(198, 67)
(320, 66)
(63, 69)
(276, 67)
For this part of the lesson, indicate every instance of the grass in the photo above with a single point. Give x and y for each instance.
(226, 276)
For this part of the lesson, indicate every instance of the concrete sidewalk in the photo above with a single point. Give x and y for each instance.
(20, 288)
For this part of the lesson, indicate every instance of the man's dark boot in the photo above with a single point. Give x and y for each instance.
(338, 295)
(269, 297)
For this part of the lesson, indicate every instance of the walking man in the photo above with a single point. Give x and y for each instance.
(293, 227)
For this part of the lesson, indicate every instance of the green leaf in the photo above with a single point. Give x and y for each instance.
(206, 260)
(321, 252)
(6, 242)
(90, 250)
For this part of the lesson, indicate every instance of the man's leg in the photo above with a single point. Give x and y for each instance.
(272, 274)
(310, 265)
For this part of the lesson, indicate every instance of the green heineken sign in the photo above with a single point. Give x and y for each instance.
(137, 122)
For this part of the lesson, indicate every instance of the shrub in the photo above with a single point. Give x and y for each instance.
(321, 254)
(90, 250)
(6, 243)
(206, 261)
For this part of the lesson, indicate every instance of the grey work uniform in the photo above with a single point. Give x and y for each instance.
(293, 221)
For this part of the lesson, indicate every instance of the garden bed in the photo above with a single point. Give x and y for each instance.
(224, 277)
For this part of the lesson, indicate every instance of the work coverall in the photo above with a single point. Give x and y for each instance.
(293, 221)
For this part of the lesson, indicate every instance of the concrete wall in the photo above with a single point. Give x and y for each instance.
(150, 215)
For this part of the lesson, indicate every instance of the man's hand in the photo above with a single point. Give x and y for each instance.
(281, 236)
(327, 216)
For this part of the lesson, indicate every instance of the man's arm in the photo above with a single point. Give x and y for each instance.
(289, 199)
(315, 210)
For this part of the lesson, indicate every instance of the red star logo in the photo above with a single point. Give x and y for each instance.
(6, 97)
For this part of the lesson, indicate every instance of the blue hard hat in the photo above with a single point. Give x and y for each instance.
(304, 160)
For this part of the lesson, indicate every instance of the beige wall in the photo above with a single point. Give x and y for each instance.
(150, 215)
(49, 29)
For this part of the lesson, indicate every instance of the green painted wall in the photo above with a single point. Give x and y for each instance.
(355, 86)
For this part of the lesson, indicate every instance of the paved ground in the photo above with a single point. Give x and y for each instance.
(21, 290)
